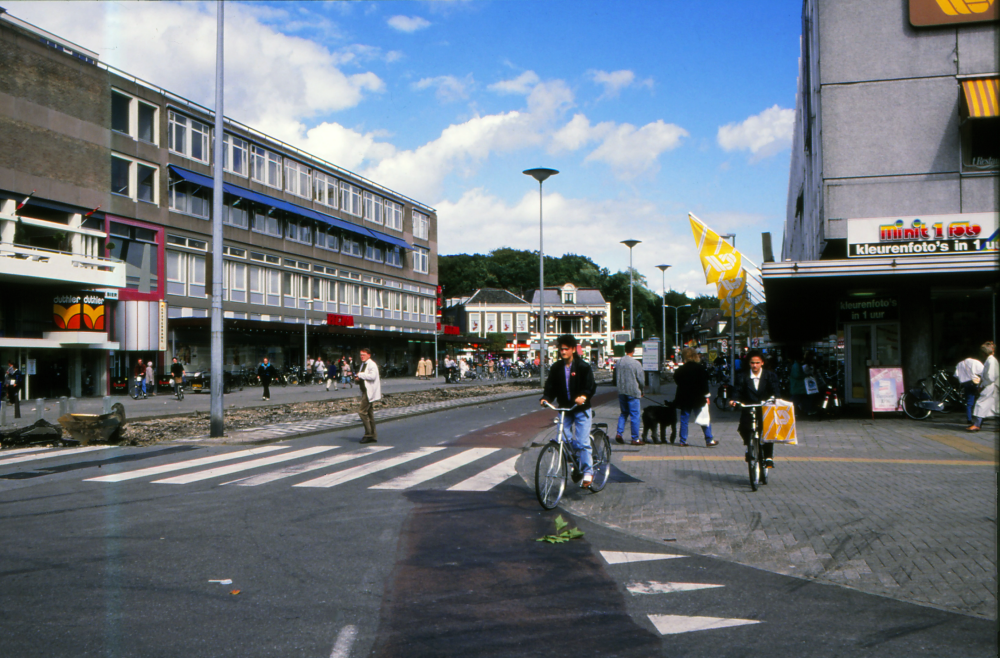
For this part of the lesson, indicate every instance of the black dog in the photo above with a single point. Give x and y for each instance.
(662, 415)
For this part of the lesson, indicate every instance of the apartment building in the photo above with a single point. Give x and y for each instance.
(312, 252)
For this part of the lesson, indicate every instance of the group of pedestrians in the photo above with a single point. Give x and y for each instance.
(979, 384)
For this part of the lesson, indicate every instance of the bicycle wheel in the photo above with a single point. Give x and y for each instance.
(720, 402)
(911, 408)
(550, 476)
(754, 465)
(601, 451)
(763, 466)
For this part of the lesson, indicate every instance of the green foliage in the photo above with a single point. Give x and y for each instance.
(497, 342)
(563, 533)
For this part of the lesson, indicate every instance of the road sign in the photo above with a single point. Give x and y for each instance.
(725, 344)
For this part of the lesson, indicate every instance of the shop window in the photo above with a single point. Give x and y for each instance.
(981, 144)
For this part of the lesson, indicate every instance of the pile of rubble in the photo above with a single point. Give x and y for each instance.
(148, 432)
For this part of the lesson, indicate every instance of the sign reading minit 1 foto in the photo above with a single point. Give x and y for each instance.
(927, 235)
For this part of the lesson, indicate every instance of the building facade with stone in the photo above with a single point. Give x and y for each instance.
(115, 174)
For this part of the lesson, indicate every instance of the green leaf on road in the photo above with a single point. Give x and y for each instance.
(563, 532)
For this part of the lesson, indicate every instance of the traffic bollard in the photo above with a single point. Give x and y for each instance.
(39, 409)
(63, 406)
(72, 405)
(107, 404)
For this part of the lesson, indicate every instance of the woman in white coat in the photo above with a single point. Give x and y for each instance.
(986, 405)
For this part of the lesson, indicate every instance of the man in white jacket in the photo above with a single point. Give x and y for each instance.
(986, 405)
(371, 391)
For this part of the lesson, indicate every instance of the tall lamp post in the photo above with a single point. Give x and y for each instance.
(631, 315)
(663, 334)
(676, 310)
(540, 174)
(217, 426)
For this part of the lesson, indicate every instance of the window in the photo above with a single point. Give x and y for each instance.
(256, 284)
(132, 117)
(351, 247)
(185, 274)
(187, 136)
(421, 225)
(393, 215)
(331, 296)
(570, 326)
(372, 207)
(189, 198)
(134, 179)
(235, 281)
(273, 287)
(373, 252)
(420, 258)
(265, 166)
(236, 216)
(392, 257)
(326, 189)
(327, 240)
(267, 224)
(981, 144)
(235, 152)
(350, 199)
(297, 180)
(474, 326)
(522, 323)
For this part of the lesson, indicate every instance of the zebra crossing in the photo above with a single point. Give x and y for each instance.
(667, 624)
(317, 468)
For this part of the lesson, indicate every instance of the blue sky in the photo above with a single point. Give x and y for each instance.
(648, 109)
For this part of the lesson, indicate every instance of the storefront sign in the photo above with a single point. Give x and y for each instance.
(925, 13)
(886, 388)
(867, 309)
(651, 355)
(83, 312)
(334, 320)
(927, 235)
(162, 342)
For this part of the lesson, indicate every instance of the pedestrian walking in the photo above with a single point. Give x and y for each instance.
(346, 373)
(967, 372)
(629, 381)
(12, 386)
(319, 371)
(371, 392)
(986, 405)
(140, 379)
(266, 372)
(149, 381)
(693, 394)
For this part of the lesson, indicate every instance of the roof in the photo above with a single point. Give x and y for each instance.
(494, 296)
(584, 297)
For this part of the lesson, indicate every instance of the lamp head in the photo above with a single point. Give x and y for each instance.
(662, 268)
(630, 243)
(540, 174)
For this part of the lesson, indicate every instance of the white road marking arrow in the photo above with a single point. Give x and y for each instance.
(621, 557)
(674, 624)
(667, 588)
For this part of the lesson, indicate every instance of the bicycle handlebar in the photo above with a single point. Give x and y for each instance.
(743, 404)
(554, 408)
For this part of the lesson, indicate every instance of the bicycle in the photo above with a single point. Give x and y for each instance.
(755, 464)
(137, 391)
(723, 395)
(179, 388)
(945, 395)
(553, 466)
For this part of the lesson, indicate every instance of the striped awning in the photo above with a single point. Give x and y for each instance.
(981, 97)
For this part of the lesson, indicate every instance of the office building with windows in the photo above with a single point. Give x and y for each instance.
(119, 170)
(890, 242)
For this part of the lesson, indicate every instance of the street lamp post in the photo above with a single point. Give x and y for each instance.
(540, 174)
(631, 312)
(676, 311)
(663, 334)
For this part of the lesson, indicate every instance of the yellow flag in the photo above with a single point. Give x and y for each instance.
(720, 259)
(731, 288)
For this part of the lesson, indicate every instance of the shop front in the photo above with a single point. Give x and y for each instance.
(915, 293)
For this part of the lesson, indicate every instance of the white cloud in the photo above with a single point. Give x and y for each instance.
(447, 88)
(408, 24)
(631, 151)
(614, 81)
(273, 81)
(522, 84)
(762, 134)
(578, 133)
(574, 226)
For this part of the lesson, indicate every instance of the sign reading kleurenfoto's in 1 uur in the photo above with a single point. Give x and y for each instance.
(926, 235)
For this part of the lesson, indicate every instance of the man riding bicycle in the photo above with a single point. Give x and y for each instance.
(177, 372)
(755, 387)
(571, 384)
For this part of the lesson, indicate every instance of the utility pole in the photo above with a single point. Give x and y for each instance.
(217, 424)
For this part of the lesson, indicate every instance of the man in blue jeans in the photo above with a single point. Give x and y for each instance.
(571, 384)
(630, 379)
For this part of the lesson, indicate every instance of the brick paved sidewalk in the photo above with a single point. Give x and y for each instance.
(892, 507)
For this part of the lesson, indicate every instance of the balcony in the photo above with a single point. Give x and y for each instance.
(19, 264)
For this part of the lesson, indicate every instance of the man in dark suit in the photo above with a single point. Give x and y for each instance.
(755, 387)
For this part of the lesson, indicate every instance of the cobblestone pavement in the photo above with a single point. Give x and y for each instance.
(890, 506)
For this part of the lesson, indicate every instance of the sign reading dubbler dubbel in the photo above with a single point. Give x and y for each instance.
(83, 312)
(926, 235)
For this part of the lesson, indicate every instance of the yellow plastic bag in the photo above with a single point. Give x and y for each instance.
(779, 423)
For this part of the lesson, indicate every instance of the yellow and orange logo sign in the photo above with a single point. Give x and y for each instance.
(925, 13)
(78, 313)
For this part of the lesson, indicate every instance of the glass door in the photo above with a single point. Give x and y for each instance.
(868, 345)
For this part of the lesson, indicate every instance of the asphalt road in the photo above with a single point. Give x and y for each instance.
(322, 563)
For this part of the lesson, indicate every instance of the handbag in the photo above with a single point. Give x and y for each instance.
(703, 418)
(812, 387)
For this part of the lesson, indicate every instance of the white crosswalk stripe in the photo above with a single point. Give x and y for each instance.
(68, 452)
(243, 466)
(177, 466)
(298, 469)
(489, 478)
(622, 557)
(654, 587)
(432, 471)
(341, 477)
(674, 624)
(20, 451)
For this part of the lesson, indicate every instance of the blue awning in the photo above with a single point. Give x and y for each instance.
(336, 223)
(391, 239)
(193, 177)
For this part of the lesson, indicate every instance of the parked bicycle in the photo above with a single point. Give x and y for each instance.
(723, 395)
(945, 395)
(558, 461)
(755, 463)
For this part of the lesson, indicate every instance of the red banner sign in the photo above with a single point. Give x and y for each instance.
(335, 320)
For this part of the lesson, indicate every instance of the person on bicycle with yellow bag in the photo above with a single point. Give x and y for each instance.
(571, 384)
(755, 387)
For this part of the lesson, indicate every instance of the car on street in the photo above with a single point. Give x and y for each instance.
(201, 380)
